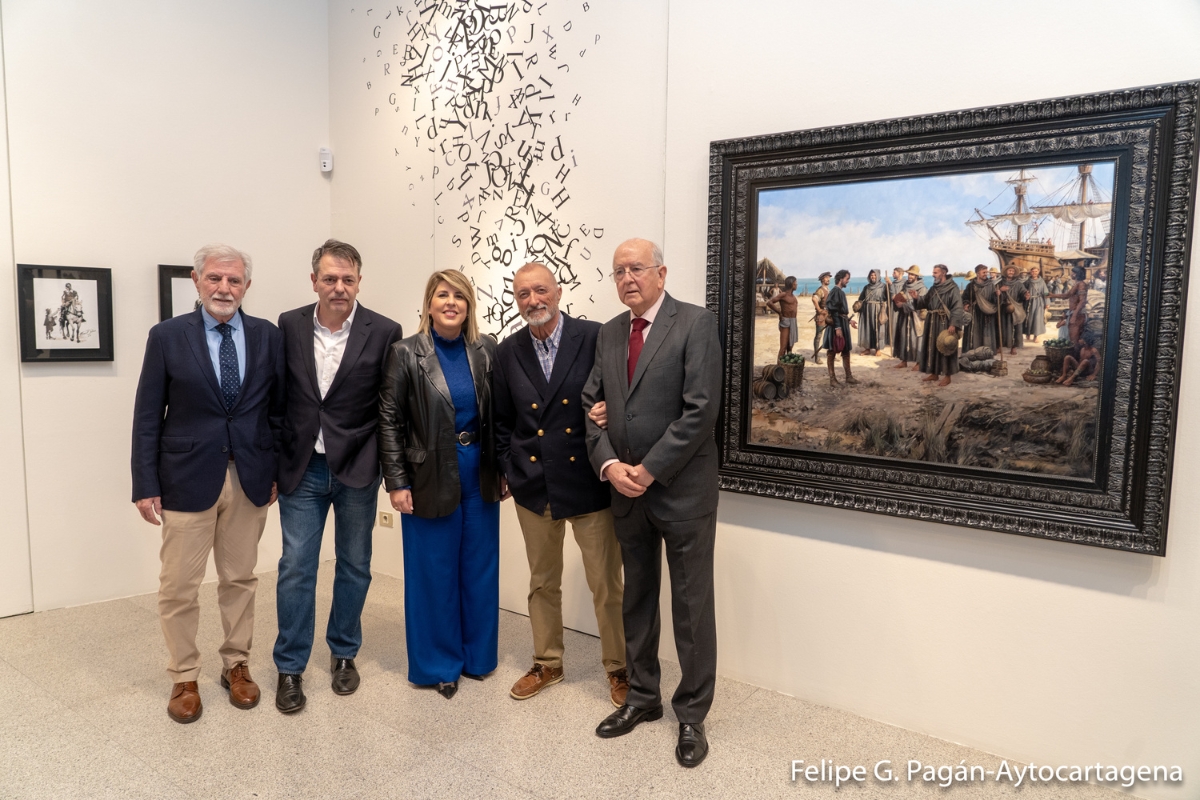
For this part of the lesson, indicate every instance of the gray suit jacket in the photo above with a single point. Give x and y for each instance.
(664, 418)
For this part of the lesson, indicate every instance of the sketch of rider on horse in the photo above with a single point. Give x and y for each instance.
(70, 314)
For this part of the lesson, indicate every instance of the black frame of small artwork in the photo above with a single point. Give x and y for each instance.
(1152, 134)
(166, 298)
(28, 317)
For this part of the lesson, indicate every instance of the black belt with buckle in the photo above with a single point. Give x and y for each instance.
(467, 437)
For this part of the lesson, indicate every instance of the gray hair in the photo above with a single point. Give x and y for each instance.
(656, 254)
(220, 253)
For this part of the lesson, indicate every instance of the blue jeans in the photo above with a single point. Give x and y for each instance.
(452, 584)
(302, 515)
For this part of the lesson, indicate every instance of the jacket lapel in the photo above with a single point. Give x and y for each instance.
(568, 347)
(308, 349)
(529, 360)
(252, 332)
(197, 338)
(478, 361)
(620, 351)
(658, 332)
(428, 359)
(360, 331)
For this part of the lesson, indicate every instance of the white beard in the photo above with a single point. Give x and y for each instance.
(538, 317)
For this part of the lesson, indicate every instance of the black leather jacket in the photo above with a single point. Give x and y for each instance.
(416, 425)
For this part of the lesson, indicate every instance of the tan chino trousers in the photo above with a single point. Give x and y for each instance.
(602, 568)
(230, 530)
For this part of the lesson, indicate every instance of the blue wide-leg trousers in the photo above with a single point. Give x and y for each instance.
(452, 584)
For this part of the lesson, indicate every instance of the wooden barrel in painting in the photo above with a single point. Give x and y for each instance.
(774, 372)
(765, 389)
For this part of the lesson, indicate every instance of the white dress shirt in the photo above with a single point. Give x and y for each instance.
(328, 348)
(649, 316)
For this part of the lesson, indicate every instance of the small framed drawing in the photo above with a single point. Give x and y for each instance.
(65, 313)
(176, 292)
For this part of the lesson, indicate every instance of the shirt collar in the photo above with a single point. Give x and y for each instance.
(555, 336)
(211, 322)
(317, 326)
(652, 311)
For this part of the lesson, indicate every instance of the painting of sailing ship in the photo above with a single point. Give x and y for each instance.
(1004, 273)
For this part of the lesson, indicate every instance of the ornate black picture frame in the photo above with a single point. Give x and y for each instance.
(66, 313)
(1149, 136)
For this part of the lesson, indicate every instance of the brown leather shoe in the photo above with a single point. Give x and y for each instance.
(243, 691)
(618, 687)
(185, 704)
(539, 677)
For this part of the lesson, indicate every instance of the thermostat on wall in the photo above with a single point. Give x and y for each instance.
(326, 160)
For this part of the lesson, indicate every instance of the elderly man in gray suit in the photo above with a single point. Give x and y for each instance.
(653, 399)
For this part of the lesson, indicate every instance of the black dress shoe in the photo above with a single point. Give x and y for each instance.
(345, 675)
(447, 690)
(289, 696)
(693, 744)
(625, 719)
(474, 677)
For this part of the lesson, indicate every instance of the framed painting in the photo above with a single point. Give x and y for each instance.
(972, 317)
(65, 313)
(177, 293)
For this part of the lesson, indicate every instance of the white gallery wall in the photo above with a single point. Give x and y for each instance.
(16, 587)
(141, 130)
(405, 194)
(1032, 649)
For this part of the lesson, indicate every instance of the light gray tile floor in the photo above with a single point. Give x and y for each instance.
(83, 695)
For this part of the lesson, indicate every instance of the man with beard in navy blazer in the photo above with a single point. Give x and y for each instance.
(328, 457)
(205, 429)
(537, 381)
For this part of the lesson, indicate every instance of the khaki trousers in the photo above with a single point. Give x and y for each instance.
(230, 530)
(602, 567)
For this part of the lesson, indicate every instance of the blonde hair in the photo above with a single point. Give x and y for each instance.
(460, 282)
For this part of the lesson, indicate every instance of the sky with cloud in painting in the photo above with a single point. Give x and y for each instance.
(899, 222)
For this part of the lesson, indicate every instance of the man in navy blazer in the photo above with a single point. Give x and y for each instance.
(205, 428)
(537, 380)
(335, 350)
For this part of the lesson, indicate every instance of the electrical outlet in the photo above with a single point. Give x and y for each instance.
(386, 519)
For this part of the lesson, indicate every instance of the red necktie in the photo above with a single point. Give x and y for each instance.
(635, 343)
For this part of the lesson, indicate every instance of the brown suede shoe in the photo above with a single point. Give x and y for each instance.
(243, 691)
(539, 677)
(618, 687)
(185, 704)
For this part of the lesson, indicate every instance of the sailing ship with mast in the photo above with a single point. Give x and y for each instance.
(1054, 235)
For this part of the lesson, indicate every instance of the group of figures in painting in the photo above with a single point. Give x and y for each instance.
(942, 329)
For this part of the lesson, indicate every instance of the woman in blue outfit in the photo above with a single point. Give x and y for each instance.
(439, 467)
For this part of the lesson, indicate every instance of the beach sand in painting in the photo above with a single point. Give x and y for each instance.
(978, 420)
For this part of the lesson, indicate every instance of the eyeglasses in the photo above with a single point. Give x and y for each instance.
(636, 272)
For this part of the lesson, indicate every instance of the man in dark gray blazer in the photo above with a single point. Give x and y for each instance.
(653, 399)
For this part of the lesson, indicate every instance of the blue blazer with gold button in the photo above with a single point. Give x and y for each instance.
(540, 431)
